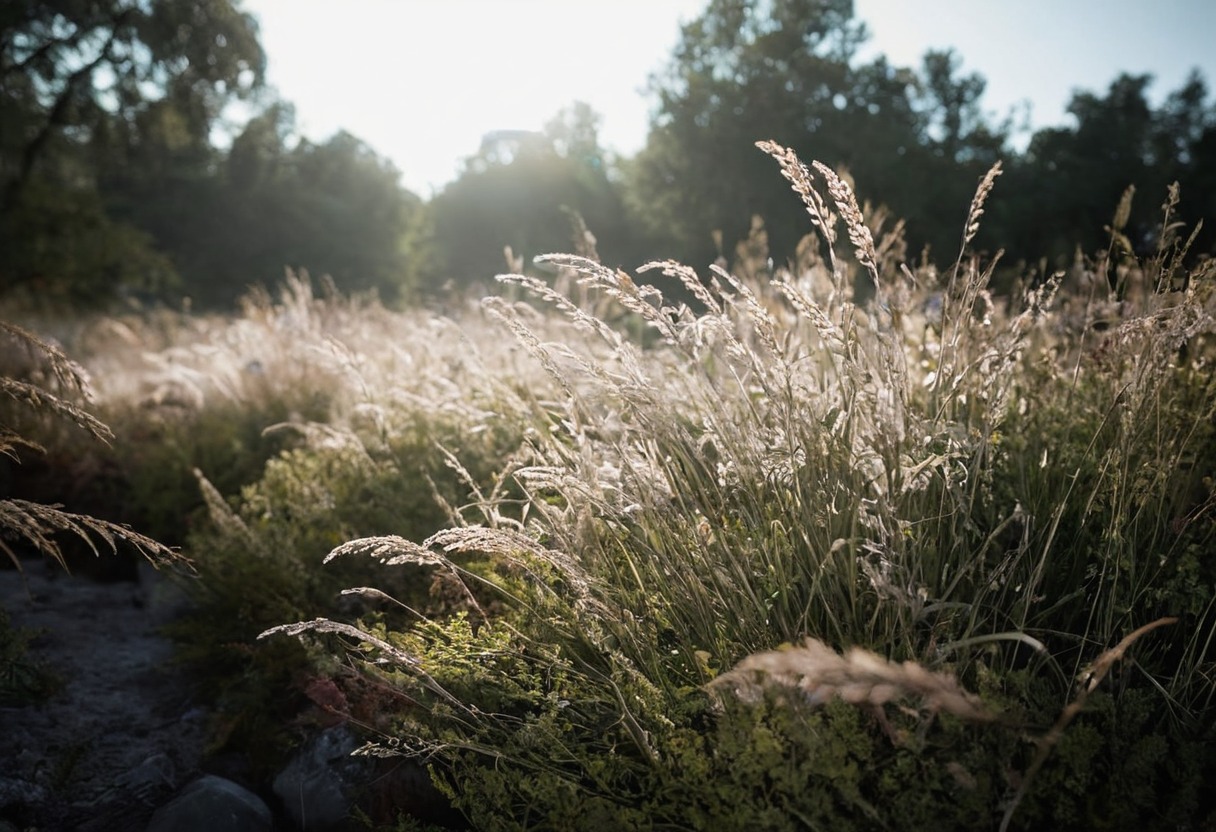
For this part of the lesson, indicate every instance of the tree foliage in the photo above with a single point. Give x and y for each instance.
(522, 190)
(112, 177)
(912, 139)
(787, 70)
(88, 86)
(1064, 190)
(278, 201)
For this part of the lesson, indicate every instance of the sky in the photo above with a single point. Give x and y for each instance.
(422, 81)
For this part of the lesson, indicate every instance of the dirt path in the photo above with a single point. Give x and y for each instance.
(121, 733)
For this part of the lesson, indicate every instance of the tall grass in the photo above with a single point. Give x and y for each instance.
(991, 489)
(42, 388)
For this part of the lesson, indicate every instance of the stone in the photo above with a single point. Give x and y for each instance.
(16, 793)
(153, 778)
(318, 785)
(211, 803)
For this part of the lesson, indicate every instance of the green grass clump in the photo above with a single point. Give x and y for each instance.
(23, 680)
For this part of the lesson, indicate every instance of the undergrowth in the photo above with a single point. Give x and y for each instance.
(995, 497)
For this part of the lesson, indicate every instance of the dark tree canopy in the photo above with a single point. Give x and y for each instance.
(72, 70)
(915, 140)
(89, 87)
(786, 70)
(1063, 192)
(112, 178)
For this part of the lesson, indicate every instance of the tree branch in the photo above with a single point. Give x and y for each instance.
(55, 119)
(29, 60)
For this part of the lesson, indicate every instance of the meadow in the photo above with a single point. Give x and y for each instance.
(860, 542)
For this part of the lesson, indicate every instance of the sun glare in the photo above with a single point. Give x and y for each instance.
(424, 82)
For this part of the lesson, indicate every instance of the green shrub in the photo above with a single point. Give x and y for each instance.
(23, 681)
(370, 466)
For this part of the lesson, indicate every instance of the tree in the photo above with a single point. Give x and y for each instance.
(743, 71)
(348, 215)
(520, 190)
(112, 179)
(786, 70)
(1064, 191)
(67, 67)
(276, 201)
(106, 85)
(956, 127)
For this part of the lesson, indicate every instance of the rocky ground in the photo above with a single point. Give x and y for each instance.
(99, 731)
(118, 733)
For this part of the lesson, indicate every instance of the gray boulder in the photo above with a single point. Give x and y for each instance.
(213, 803)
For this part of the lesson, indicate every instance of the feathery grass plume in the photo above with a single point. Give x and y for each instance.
(961, 301)
(500, 309)
(799, 177)
(645, 301)
(321, 625)
(965, 301)
(54, 376)
(1124, 210)
(391, 551)
(760, 320)
(1167, 269)
(37, 524)
(688, 278)
(1120, 246)
(514, 549)
(584, 240)
(371, 645)
(976, 209)
(854, 221)
(50, 370)
(578, 315)
(859, 677)
(221, 514)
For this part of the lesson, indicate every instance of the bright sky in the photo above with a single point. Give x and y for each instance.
(423, 80)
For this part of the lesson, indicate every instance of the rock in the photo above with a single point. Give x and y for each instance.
(317, 787)
(16, 793)
(155, 774)
(212, 803)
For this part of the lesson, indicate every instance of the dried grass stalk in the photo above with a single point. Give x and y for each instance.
(858, 677)
(39, 525)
